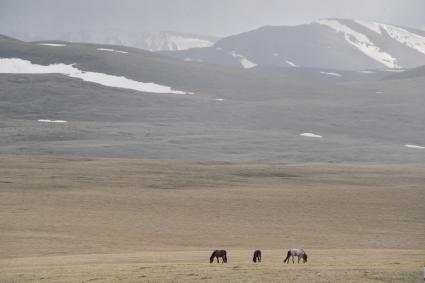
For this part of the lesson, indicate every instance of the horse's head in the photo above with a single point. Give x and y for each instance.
(212, 256)
(304, 258)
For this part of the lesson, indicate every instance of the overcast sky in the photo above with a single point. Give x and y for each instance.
(209, 17)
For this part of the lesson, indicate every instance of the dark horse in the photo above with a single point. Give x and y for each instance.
(257, 256)
(217, 254)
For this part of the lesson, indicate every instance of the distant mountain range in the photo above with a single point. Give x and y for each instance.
(328, 43)
(84, 99)
(152, 41)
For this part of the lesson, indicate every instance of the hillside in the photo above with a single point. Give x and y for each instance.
(328, 43)
(59, 98)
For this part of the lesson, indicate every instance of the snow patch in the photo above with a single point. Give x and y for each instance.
(166, 41)
(331, 74)
(51, 121)
(218, 48)
(401, 35)
(52, 44)
(292, 64)
(111, 50)
(219, 99)
(192, 60)
(20, 66)
(414, 146)
(244, 62)
(394, 70)
(362, 42)
(275, 54)
(311, 135)
(367, 72)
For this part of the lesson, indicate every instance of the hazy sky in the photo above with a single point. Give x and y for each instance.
(213, 17)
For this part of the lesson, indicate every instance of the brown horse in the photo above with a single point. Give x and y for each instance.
(217, 254)
(257, 256)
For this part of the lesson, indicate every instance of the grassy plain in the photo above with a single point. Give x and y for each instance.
(68, 219)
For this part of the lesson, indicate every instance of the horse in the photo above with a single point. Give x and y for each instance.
(217, 254)
(257, 256)
(300, 253)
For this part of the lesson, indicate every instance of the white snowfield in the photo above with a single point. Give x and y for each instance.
(331, 74)
(244, 62)
(292, 64)
(165, 41)
(362, 42)
(112, 50)
(401, 35)
(311, 135)
(192, 60)
(367, 72)
(20, 66)
(414, 146)
(52, 121)
(52, 44)
(394, 70)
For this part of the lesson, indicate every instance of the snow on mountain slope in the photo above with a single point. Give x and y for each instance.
(152, 41)
(19, 66)
(172, 41)
(362, 42)
(292, 64)
(52, 44)
(404, 36)
(244, 62)
(333, 44)
(112, 50)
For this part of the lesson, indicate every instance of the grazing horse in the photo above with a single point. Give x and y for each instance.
(217, 254)
(300, 253)
(257, 256)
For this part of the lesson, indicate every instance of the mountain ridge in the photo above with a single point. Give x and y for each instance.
(344, 44)
(152, 41)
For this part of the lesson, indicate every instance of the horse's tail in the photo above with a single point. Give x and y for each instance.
(287, 256)
(225, 256)
(212, 256)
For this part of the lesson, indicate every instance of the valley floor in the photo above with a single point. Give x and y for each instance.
(68, 219)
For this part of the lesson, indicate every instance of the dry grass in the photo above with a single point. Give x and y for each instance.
(80, 219)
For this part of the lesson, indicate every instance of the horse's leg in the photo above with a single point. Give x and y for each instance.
(298, 259)
(287, 258)
(293, 259)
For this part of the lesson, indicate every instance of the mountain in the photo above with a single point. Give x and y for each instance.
(82, 99)
(152, 41)
(328, 44)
